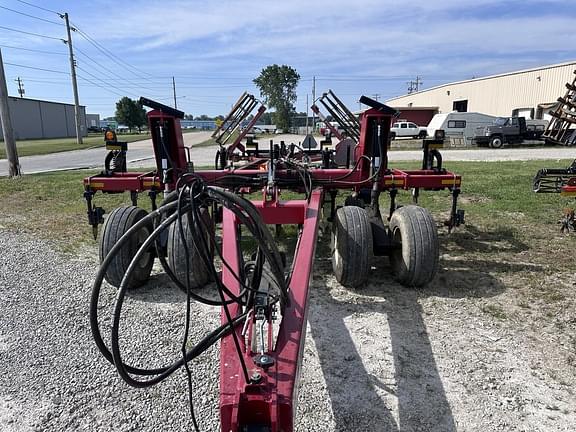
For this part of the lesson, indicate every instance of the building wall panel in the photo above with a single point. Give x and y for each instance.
(498, 95)
(37, 119)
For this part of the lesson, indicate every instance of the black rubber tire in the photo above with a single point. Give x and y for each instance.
(496, 142)
(116, 224)
(415, 260)
(177, 255)
(354, 201)
(392, 135)
(422, 134)
(351, 246)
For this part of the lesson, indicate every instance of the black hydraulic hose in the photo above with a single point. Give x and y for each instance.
(246, 213)
(96, 286)
(100, 277)
(269, 248)
(120, 366)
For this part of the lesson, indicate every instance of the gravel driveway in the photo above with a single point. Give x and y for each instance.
(381, 359)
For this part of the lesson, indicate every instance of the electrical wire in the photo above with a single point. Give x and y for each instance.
(33, 34)
(38, 7)
(109, 85)
(111, 55)
(32, 16)
(33, 50)
(98, 85)
(36, 68)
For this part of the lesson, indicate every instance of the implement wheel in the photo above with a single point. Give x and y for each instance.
(115, 225)
(351, 246)
(177, 254)
(415, 257)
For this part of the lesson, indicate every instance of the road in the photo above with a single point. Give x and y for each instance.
(140, 155)
(92, 158)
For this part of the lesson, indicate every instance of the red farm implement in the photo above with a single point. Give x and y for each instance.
(263, 295)
(561, 131)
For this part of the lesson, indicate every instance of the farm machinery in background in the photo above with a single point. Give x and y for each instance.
(262, 294)
(561, 130)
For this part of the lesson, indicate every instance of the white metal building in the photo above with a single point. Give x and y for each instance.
(529, 93)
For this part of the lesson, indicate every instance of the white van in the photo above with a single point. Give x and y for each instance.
(459, 126)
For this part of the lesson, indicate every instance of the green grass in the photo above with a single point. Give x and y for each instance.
(494, 194)
(498, 193)
(46, 146)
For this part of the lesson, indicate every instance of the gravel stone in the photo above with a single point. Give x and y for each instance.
(383, 358)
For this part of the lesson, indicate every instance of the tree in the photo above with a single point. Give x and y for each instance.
(265, 119)
(130, 113)
(277, 85)
(188, 117)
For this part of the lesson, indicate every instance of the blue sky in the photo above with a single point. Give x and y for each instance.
(215, 48)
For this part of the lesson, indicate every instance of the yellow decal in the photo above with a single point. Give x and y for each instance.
(451, 181)
(396, 182)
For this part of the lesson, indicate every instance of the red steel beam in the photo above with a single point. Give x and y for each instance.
(395, 179)
(271, 400)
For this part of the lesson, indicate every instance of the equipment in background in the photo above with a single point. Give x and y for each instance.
(348, 122)
(204, 217)
(232, 124)
(562, 128)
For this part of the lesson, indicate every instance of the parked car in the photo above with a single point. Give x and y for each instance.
(407, 129)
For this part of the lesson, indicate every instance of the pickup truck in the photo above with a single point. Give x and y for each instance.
(407, 129)
(509, 130)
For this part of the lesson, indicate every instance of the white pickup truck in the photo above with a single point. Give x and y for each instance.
(407, 129)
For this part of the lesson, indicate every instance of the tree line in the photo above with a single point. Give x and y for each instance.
(277, 85)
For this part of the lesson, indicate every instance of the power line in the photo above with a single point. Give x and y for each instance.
(35, 68)
(101, 66)
(33, 50)
(33, 34)
(31, 16)
(109, 85)
(38, 7)
(110, 54)
(109, 71)
(98, 85)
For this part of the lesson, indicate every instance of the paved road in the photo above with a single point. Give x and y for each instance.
(91, 158)
(140, 155)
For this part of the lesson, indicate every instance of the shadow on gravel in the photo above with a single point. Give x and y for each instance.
(469, 238)
(399, 370)
(158, 289)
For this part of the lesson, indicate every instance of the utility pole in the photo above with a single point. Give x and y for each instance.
(174, 92)
(418, 83)
(9, 142)
(414, 86)
(74, 82)
(376, 96)
(20, 87)
(306, 113)
(313, 102)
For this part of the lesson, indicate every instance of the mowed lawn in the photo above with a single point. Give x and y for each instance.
(55, 145)
(494, 194)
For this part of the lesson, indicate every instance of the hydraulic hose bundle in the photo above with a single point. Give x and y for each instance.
(190, 200)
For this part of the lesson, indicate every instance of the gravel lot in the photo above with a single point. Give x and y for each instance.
(381, 359)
